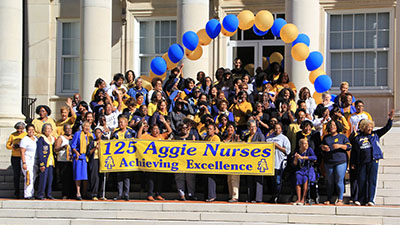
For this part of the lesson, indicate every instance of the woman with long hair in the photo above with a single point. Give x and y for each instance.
(334, 147)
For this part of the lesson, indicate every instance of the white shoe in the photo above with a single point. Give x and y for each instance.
(357, 203)
(370, 204)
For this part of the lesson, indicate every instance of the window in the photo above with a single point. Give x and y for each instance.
(155, 38)
(358, 48)
(68, 52)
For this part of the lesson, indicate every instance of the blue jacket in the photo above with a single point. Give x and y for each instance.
(129, 133)
(373, 138)
(43, 152)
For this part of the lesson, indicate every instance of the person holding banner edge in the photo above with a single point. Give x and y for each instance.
(154, 179)
(212, 185)
(123, 180)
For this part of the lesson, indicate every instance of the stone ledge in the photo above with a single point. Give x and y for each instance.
(368, 211)
(324, 219)
(326, 210)
(20, 204)
(204, 207)
(139, 206)
(240, 217)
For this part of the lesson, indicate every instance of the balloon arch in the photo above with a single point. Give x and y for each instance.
(261, 23)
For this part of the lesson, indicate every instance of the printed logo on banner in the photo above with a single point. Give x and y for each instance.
(262, 166)
(109, 163)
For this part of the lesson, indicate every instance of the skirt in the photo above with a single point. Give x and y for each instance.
(80, 168)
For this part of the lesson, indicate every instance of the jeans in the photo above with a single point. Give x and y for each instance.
(368, 174)
(335, 176)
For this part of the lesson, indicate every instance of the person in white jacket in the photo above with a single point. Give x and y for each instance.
(28, 153)
(282, 150)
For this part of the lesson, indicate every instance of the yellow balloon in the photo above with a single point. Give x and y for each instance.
(246, 19)
(250, 68)
(146, 84)
(317, 97)
(289, 33)
(204, 39)
(276, 57)
(265, 63)
(264, 20)
(300, 52)
(315, 73)
(170, 64)
(153, 75)
(195, 54)
(227, 33)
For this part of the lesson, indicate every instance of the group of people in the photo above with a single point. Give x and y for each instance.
(311, 140)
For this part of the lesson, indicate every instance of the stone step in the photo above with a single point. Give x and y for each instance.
(5, 165)
(390, 162)
(390, 184)
(388, 192)
(391, 137)
(137, 212)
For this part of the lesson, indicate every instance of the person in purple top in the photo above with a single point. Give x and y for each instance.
(304, 170)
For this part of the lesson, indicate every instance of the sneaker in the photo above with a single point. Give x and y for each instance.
(370, 204)
(95, 199)
(357, 203)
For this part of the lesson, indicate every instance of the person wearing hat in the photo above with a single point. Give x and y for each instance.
(44, 112)
(13, 144)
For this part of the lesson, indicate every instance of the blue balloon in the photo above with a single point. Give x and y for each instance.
(259, 32)
(190, 40)
(333, 97)
(175, 53)
(158, 66)
(314, 61)
(323, 83)
(302, 38)
(277, 26)
(213, 27)
(230, 23)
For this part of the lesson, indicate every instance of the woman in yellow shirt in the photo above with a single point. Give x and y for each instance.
(212, 185)
(284, 82)
(44, 112)
(13, 144)
(65, 119)
(241, 109)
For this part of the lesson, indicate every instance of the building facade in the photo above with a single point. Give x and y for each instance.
(54, 48)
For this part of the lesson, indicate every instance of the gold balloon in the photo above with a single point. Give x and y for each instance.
(227, 33)
(250, 68)
(246, 19)
(300, 52)
(265, 63)
(315, 73)
(170, 64)
(146, 84)
(204, 39)
(276, 57)
(264, 20)
(153, 75)
(195, 54)
(317, 97)
(289, 33)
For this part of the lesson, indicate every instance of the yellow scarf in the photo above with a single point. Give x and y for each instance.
(84, 142)
(164, 113)
(50, 160)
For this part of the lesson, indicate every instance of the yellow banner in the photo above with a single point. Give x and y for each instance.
(237, 158)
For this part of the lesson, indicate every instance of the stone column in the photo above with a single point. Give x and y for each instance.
(95, 44)
(10, 62)
(396, 69)
(305, 14)
(193, 15)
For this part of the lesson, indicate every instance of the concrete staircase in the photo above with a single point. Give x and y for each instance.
(136, 212)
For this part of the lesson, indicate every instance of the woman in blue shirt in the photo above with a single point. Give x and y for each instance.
(80, 150)
(334, 147)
